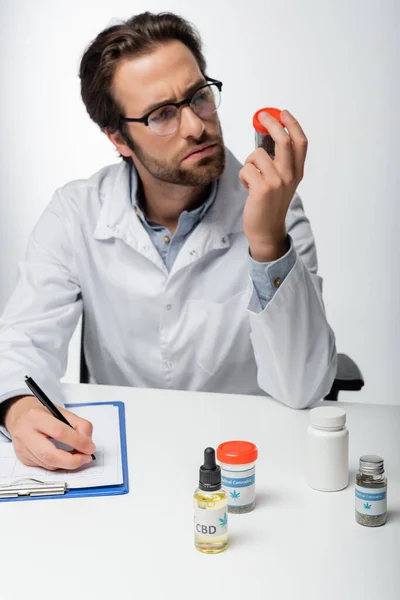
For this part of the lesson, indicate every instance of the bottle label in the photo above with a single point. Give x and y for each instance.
(371, 501)
(210, 522)
(239, 486)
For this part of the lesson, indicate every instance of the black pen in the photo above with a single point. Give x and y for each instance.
(45, 400)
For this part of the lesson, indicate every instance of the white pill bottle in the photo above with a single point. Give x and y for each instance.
(327, 449)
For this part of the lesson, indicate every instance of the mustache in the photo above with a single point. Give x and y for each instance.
(204, 139)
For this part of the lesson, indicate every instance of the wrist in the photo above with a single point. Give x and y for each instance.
(13, 407)
(269, 250)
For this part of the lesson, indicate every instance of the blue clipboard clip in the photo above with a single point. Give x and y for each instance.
(34, 489)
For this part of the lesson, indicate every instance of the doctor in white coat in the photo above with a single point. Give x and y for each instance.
(194, 272)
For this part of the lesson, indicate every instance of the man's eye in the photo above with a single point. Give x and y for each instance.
(165, 113)
(201, 97)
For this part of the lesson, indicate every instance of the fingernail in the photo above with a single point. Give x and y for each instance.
(88, 460)
(262, 115)
(91, 448)
(286, 113)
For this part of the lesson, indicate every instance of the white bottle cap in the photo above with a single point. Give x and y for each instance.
(327, 417)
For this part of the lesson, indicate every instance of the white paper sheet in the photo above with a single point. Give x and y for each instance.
(105, 470)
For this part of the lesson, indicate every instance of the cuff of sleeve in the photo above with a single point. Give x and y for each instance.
(268, 277)
(4, 434)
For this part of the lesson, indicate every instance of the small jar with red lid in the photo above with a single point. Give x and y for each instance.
(238, 461)
(263, 139)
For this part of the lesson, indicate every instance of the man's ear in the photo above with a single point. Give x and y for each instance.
(119, 142)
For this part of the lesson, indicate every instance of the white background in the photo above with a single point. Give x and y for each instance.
(333, 64)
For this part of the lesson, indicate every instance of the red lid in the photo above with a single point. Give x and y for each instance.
(237, 452)
(274, 112)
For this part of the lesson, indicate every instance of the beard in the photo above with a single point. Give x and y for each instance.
(202, 172)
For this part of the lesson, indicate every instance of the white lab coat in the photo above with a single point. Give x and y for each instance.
(199, 327)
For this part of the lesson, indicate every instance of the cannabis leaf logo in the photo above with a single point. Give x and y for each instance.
(235, 495)
(223, 522)
(367, 506)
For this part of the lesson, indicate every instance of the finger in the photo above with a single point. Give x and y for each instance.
(299, 142)
(81, 425)
(61, 432)
(244, 183)
(264, 164)
(31, 461)
(284, 156)
(251, 176)
(27, 458)
(51, 457)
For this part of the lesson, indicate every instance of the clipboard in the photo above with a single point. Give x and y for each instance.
(26, 489)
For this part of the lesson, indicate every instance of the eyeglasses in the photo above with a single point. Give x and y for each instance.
(164, 120)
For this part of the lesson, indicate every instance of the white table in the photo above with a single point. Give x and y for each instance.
(298, 543)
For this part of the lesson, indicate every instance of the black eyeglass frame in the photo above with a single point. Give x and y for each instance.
(178, 105)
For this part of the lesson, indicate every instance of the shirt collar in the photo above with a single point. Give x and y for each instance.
(117, 218)
(187, 219)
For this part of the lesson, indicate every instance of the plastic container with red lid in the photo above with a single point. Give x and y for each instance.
(238, 461)
(263, 139)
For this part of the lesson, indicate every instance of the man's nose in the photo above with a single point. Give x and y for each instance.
(191, 125)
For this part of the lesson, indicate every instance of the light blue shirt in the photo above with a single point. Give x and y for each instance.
(267, 277)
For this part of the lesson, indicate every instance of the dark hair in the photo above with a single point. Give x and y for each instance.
(137, 36)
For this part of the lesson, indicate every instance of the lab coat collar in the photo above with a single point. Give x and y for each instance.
(118, 218)
(114, 192)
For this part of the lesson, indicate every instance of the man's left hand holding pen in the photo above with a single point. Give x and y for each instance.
(31, 425)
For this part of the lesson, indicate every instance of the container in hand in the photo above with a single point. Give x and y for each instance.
(263, 139)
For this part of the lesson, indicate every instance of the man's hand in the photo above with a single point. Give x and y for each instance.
(31, 425)
(271, 185)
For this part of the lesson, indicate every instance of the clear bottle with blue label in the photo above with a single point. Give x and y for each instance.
(238, 464)
(371, 492)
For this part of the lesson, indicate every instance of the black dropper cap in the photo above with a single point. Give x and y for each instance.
(210, 472)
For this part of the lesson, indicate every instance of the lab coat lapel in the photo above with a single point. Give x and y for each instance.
(118, 218)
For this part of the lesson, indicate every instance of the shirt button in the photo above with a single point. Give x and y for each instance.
(169, 306)
(167, 239)
(192, 252)
(277, 282)
(167, 364)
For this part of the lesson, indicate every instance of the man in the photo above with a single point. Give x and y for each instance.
(193, 271)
